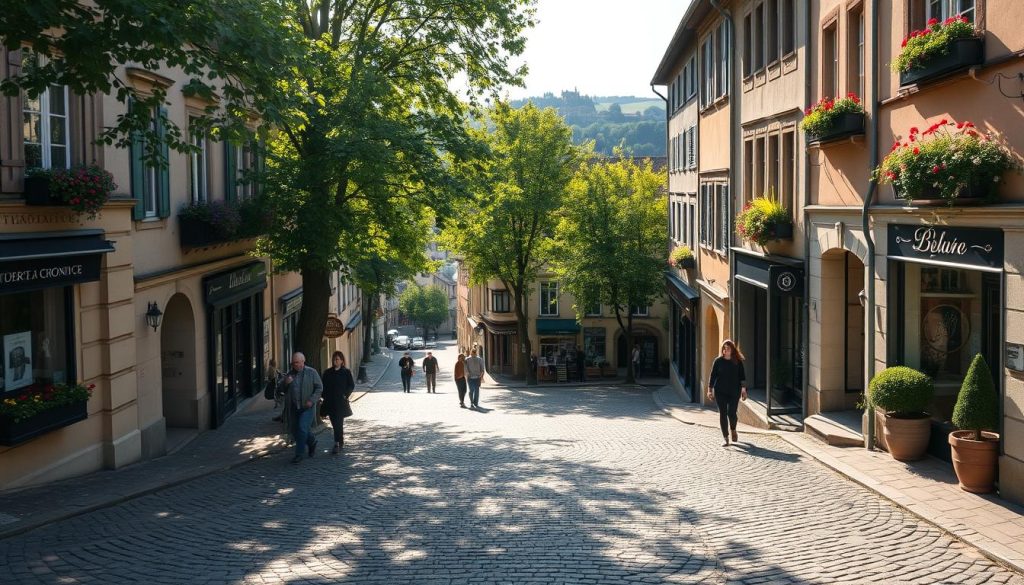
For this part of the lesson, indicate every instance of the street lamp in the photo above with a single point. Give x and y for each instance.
(153, 316)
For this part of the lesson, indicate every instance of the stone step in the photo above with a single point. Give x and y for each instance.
(831, 432)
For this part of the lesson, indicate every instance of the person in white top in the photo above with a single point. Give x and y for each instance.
(636, 361)
(474, 375)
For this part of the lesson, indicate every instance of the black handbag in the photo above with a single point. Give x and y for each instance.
(269, 390)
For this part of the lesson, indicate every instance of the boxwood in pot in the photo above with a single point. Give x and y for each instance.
(904, 394)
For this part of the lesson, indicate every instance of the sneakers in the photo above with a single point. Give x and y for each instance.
(312, 449)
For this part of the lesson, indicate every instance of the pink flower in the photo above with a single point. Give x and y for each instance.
(936, 169)
(913, 130)
(933, 21)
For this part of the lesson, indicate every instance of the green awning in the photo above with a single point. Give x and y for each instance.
(557, 327)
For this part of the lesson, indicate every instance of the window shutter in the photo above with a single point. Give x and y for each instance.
(164, 198)
(261, 168)
(138, 172)
(230, 172)
(12, 139)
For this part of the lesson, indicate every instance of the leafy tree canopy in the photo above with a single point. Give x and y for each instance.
(426, 306)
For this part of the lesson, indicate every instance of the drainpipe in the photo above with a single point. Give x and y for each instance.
(734, 165)
(808, 97)
(869, 349)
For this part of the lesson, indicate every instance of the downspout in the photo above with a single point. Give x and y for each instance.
(866, 220)
(734, 127)
(805, 346)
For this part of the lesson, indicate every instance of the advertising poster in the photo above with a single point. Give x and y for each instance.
(18, 360)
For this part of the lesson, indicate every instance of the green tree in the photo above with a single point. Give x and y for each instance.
(610, 242)
(379, 274)
(426, 306)
(370, 126)
(501, 233)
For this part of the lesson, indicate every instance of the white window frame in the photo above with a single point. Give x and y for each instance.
(591, 313)
(45, 114)
(151, 178)
(645, 312)
(199, 170)
(948, 8)
(548, 299)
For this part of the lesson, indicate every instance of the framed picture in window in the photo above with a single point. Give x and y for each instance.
(17, 360)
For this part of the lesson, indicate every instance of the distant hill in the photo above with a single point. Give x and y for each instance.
(638, 123)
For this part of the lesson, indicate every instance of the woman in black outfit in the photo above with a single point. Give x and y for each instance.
(727, 386)
(338, 386)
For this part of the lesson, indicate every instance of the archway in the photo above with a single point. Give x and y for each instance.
(648, 340)
(712, 343)
(178, 367)
(841, 343)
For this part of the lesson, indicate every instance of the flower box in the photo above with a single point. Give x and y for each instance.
(13, 433)
(37, 191)
(969, 193)
(780, 231)
(686, 263)
(962, 53)
(844, 124)
(195, 233)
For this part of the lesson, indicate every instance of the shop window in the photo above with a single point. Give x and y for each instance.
(500, 301)
(36, 340)
(549, 299)
(289, 327)
(595, 345)
(45, 120)
(199, 167)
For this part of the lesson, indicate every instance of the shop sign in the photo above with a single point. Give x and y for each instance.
(786, 280)
(956, 245)
(334, 328)
(227, 285)
(1015, 357)
(292, 305)
(24, 275)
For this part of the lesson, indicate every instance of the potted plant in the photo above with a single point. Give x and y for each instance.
(85, 189)
(903, 394)
(38, 409)
(208, 222)
(948, 161)
(941, 48)
(831, 119)
(976, 414)
(37, 186)
(764, 219)
(682, 257)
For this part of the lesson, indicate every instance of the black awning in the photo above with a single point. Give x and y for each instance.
(35, 261)
(499, 327)
(680, 291)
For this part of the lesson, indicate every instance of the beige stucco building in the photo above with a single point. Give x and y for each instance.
(224, 313)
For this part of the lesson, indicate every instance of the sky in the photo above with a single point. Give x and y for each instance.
(600, 47)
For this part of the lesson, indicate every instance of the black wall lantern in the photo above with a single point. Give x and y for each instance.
(153, 316)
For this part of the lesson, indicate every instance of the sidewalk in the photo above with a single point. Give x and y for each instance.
(927, 489)
(247, 435)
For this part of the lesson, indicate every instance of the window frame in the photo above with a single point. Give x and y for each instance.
(830, 58)
(199, 168)
(505, 299)
(46, 116)
(548, 289)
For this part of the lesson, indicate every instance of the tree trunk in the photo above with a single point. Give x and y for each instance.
(369, 310)
(630, 374)
(316, 301)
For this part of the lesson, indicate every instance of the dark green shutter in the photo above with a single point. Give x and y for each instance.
(164, 197)
(230, 172)
(261, 167)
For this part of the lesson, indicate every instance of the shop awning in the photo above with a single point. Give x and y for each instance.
(353, 321)
(557, 327)
(500, 328)
(34, 261)
(680, 291)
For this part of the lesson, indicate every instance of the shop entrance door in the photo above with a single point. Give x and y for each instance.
(236, 368)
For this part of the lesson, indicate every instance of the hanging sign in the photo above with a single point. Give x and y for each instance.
(334, 328)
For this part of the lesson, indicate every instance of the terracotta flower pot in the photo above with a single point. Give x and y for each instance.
(975, 461)
(907, 438)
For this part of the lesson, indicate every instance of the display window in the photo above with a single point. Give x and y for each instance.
(35, 337)
(595, 345)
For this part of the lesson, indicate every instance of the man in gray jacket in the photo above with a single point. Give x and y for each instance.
(474, 375)
(302, 388)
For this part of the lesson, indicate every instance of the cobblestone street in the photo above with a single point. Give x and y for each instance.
(547, 485)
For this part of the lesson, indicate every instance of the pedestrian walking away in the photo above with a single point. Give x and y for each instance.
(408, 367)
(302, 388)
(338, 387)
(636, 361)
(460, 378)
(726, 386)
(430, 369)
(474, 375)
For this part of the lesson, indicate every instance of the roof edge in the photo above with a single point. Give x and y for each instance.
(695, 12)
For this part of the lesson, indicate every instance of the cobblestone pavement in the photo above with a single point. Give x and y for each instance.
(542, 485)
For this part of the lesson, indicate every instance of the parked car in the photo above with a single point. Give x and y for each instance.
(417, 343)
(401, 342)
(432, 343)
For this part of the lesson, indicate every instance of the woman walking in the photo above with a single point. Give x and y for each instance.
(460, 379)
(727, 386)
(338, 386)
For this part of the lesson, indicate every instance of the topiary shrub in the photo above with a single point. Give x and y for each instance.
(977, 405)
(901, 392)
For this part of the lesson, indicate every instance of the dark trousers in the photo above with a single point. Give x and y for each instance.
(301, 421)
(338, 424)
(728, 403)
(432, 382)
(460, 383)
(636, 370)
(406, 382)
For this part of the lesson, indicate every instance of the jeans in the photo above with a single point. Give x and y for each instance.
(338, 424)
(431, 381)
(301, 421)
(728, 403)
(406, 382)
(474, 391)
(460, 383)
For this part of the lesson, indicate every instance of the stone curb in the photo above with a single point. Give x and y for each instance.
(992, 550)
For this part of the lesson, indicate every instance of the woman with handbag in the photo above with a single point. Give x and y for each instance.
(338, 387)
(727, 386)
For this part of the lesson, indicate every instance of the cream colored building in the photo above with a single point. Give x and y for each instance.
(224, 312)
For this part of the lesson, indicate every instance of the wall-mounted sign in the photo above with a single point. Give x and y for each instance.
(786, 280)
(955, 245)
(1015, 357)
(24, 275)
(227, 287)
(334, 328)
